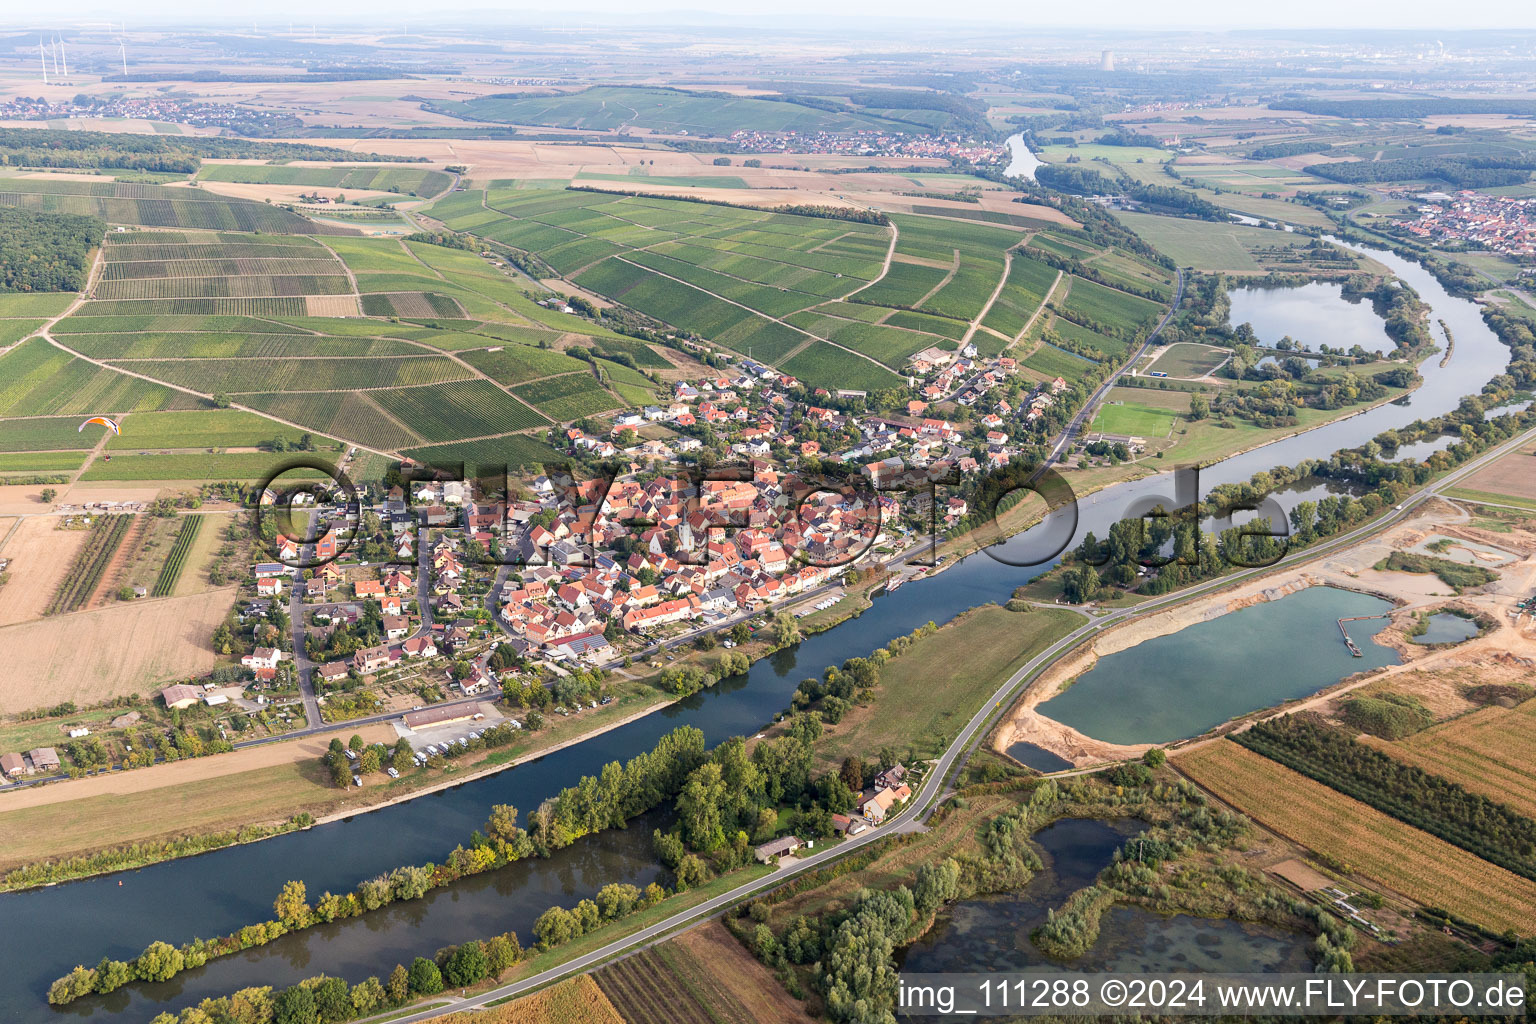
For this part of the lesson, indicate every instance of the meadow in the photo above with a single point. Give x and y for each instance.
(1188, 359)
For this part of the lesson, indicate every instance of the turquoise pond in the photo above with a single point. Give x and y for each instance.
(1182, 684)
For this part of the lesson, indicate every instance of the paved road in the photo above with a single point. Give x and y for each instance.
(300, 631)
(937, 782)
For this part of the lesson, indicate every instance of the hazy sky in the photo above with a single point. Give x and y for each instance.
(1102, 14)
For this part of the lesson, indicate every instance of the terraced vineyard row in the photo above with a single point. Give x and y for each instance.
(90, 564)
(170, 572)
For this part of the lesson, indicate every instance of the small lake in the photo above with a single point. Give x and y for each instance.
(993, 933)
(1467, 552)
(1315, 314)
(1037, 757)
(1175, 686)
(1445, 628)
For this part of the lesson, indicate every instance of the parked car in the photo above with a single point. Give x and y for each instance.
(357, 780)
(392, 773)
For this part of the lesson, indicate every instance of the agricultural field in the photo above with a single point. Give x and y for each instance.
(1211, 246)
(154, 206)
(15, 330)
(207, 428)
(609, 108)
(93, 656)
(1186, 359)
(210, 269)
(511, 450)
(1414, 863)
(703, 976)
(241, 466)
(90, 565)
(29, 304)
(462, 409)
(1487, 751)
(40, 556)
(514, 364)
(577, 1000)
(45, 434)
(1116, 313)
(567, 397)
(1056, 362)
(1510, 479)
(37, 379)
(176, 559)
(415, 181)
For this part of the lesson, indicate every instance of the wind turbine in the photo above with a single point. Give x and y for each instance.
(122, 49)
(43, 57)
(65, 57)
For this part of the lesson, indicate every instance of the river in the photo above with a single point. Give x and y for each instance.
(118, 915)
(1022, 160)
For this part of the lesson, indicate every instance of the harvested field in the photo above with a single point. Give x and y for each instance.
(1414, 863)
(1512, 476)
(93, 656)
(330, 305)
(665, 983)
(577, 1001)
(741, 974)
(1487, 751)
(39, 555)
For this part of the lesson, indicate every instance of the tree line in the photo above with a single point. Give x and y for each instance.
(33, 147)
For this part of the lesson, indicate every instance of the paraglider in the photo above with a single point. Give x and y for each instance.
(103, 421)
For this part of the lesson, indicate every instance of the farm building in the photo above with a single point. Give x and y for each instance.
(12, 765)
(44, 759)
(181, 695)
(777, 848)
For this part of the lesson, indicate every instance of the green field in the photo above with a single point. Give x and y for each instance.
(35, 304)
(568, 397)
(465, 408)
(608, 108)
(244, 466)
(1187, 359)
(207, 428)
(156, 206)
(1133, 419)
(41, 462)
(1055, 362)
(1207, 245)
(410, 180)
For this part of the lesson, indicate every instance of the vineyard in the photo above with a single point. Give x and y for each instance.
(1414, 863)
(245, 287)
(646, 987)
(90, 564)
(170, 572)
